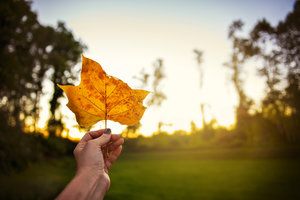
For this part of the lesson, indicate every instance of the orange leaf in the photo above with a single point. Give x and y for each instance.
(103, 97)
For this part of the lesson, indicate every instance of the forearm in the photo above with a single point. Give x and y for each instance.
(99, 189)
(85, 186)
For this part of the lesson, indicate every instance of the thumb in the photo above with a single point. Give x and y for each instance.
(103, 139)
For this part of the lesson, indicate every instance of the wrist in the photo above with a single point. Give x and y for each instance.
(100, 187)
(83, 185)
(86, 175)
(103, 182)
(90, 177)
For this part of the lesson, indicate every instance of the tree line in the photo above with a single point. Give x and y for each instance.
(275, 50)
(32, 54)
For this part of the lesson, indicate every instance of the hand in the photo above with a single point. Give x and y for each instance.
(94, 154)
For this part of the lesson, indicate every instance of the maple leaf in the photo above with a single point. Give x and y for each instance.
(103, 97)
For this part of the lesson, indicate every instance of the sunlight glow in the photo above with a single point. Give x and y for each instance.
(127, 38)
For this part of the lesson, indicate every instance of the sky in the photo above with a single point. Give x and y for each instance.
(127, 36)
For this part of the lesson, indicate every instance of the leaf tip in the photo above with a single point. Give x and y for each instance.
(59, 85)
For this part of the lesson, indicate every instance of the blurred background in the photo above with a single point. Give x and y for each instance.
(223, 117)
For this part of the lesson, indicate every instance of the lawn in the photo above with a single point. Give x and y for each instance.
(170, 175)
(42, 180)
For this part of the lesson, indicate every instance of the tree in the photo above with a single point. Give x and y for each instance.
(279, 49)
(239, 45)
(29, 52)
(150, 80)
(199, 59)
(271, 70)
(288, 39)
(17, 51)
(65, 53)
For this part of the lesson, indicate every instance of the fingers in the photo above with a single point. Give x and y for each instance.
(104, 138)
(92, 135)
(95, 134)
(113, 156)
(87, 137)
(115, 137)
(108, 165)
(101, 138)
(115, 144)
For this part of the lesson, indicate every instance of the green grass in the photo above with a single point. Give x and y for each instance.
(42, 180)
(186, 175)
(170, 175)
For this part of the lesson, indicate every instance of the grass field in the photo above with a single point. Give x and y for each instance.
(170, 175)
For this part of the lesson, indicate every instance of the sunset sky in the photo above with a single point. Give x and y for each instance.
(126, 36)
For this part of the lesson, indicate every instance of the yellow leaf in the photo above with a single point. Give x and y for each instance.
(103, 97)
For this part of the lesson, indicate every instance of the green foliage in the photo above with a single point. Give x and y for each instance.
(277, 47)
(18, 150)
(31, 53)
(236, 66)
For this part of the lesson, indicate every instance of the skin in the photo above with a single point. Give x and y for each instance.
(94, 154)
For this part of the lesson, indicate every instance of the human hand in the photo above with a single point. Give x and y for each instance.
(96, 152)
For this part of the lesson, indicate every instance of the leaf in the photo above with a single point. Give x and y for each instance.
(103, 97)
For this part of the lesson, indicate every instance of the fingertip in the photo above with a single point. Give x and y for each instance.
(104, 139)
(106, 136)
(116, 137)
(118, 150)
(121, 148)
(97, 133)
(119, 142)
